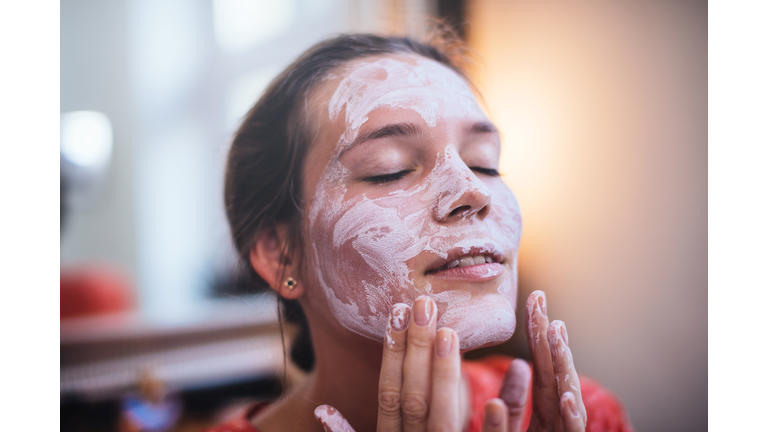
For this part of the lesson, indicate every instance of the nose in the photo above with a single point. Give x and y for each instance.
(464, 197)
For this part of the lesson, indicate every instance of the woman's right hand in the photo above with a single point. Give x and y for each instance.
(420, 380)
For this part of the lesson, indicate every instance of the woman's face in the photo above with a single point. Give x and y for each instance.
(405, 201)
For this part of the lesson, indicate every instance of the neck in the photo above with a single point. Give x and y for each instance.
(345, 376)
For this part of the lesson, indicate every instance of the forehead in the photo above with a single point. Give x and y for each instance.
(404, 81)
(340, 105)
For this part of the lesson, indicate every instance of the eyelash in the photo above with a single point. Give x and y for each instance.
(487, 171)
(388, 178)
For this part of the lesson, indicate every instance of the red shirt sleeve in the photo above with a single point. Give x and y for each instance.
(604, 411)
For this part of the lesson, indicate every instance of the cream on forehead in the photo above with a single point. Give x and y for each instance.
(427, 87)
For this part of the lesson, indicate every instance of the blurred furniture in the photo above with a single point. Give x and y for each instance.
(93, 290)
(227, 349)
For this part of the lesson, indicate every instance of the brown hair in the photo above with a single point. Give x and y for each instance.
(265, 163)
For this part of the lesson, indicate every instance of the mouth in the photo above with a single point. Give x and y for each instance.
(463, 257)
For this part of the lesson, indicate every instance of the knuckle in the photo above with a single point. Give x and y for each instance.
(414, 408)
(446, 373)
(397, 348)
(516, 410)
(389, 402)
(420, 342)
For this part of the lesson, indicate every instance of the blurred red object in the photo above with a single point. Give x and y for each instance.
(94, 290)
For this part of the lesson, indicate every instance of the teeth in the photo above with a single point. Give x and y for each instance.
(468, 261)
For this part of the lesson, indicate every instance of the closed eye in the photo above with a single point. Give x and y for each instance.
(387, 178)
(487, 171)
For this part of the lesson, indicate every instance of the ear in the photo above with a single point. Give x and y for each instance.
(268, 257)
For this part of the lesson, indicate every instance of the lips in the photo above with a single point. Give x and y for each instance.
(467, 256)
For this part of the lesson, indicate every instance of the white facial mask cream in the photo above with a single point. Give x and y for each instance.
(361, 246)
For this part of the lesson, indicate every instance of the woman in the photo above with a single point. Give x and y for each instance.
(363, 187)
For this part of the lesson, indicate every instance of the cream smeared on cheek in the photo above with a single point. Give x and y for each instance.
(361, 246)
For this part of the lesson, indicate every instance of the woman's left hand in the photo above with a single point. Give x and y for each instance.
(557, 402)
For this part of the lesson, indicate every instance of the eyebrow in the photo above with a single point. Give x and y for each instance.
(401, 130)
(482, 127)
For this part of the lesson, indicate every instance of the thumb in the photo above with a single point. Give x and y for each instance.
(331, 419)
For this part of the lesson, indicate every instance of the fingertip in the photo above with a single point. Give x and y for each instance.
(495, 412)
(558, 339)
(521, 368)
(537, 299)
(423, 311)
(572, 419)
(553, 331)
(324, 411)
(331, 419)
(568, 406)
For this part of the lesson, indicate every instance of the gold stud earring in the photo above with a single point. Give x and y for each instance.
(290, 283)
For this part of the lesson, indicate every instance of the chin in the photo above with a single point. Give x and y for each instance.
(480, 321)
(490, 327)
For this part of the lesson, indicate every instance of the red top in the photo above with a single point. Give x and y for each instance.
(604, 411)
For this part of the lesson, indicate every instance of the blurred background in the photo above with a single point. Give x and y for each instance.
(603, 110)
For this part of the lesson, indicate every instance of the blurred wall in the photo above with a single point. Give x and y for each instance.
(603, 108)
(95, 75)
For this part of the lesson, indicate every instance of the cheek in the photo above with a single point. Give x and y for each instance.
(361, 248)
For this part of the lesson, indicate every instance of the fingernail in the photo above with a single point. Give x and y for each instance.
(399, 316)
(423, 310)
(555, 335)
(564, 334)
(325, 414)
(570, 404)
(542, 303)
(444, 341)
(493, 416)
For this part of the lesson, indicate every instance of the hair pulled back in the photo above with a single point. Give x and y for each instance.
(265, 163)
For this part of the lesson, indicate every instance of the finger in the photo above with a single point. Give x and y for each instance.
(331, 419)
(514, 393)
(417, 365)
(562, 362)
(546, 397)
(446, 379)
(572, 418)
(391, 377)
(495, 416)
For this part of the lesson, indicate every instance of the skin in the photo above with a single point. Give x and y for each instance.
(409, 378)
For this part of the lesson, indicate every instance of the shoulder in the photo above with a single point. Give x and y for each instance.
(605, 412)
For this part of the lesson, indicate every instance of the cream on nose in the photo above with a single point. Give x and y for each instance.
(461, 194)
